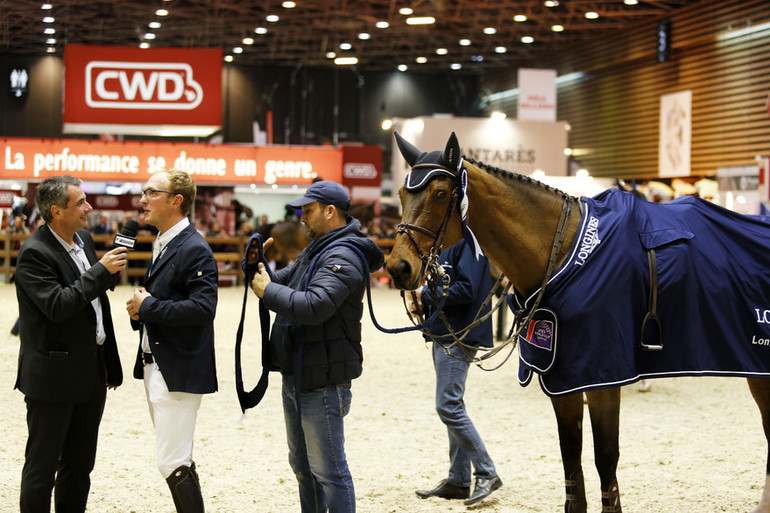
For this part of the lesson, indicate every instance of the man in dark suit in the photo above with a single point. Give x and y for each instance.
(68, 356)
(174, 313)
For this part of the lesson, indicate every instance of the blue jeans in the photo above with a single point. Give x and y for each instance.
(465, 444)
(317, 453)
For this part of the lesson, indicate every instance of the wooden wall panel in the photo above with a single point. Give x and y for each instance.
(613, 109)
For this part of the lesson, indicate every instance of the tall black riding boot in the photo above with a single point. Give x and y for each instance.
(186, 490)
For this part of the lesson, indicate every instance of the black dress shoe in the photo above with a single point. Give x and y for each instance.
(483, 488)
(445, 490)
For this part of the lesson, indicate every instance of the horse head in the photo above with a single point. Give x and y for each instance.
(430, 200)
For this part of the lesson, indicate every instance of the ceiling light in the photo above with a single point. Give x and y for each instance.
(288, 4)
(402, 67)
(161, 12)
(46, 7)
(386, 124)
(520, 18)
(260, 30)
(456, 65)
(50, 41)
(557, 28)
(50, 49)
(527, 40)
(345, 46)
(48, 19)
(551, 3)
(364, 36)
(237, 49)
(228, 58)
(442, 51)
(248, 41)
(154, 25)
(500, 49)
(465, 42)
(591, 15)
(490, 30)
(49, 30)
(331, 55)
(421, 20)
(421, 60)
(144, 45)
(382, 24)
(345, 61)
(630, 2)
(405, 11)
(477, 58)
(272, 18)
(149, 35)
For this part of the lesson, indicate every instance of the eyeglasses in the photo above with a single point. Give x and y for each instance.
(151, 193)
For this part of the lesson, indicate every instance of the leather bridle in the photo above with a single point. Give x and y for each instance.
(430, 261)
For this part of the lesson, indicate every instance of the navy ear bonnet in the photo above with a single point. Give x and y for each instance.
(426, 166)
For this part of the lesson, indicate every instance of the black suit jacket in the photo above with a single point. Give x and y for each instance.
(58, 355)
(179, 317)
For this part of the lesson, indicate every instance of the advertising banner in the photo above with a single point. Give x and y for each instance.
(675, 134)
(133, 161)
(537, 94)
(362, 166)
(154, 91)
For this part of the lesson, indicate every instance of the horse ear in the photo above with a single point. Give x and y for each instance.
(407, 149)
(452, 152)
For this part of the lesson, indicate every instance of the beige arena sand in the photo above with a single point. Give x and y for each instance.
(690, 444)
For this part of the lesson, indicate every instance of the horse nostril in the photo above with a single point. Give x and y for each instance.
(403, 269)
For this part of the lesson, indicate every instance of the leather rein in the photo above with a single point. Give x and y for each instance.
(432, 269)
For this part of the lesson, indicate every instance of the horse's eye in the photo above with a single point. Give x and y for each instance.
(440, 195)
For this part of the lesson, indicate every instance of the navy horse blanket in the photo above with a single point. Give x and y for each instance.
(713, 297)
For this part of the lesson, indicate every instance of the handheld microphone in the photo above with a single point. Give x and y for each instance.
(127, 236)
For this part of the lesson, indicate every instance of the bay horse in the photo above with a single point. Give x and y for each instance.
(529, 230)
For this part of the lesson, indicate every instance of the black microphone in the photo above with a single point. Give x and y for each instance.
(127, 236)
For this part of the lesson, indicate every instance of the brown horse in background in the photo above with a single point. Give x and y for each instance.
(289, 237)
(514, 219)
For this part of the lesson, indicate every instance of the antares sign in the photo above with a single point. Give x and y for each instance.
(36, 159)
(159, 91)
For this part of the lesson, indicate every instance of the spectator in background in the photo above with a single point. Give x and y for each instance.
(102, 227)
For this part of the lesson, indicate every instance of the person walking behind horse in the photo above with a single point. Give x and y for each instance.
(318, 322)
(174, 314)
(470, 281)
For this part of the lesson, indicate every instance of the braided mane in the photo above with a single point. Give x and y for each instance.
(511, 176)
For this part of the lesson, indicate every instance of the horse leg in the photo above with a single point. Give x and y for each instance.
(569, 418)
(604, 408)
(760, 390)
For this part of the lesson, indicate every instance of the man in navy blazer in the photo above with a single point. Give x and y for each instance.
(174, 314)
(68, 355)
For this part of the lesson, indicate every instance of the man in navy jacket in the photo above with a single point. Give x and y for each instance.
(316, 342)
(174, 313)
(469, 284)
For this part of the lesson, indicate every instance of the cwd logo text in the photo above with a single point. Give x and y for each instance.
(141, 85)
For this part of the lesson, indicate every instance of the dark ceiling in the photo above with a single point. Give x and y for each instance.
(304, 34)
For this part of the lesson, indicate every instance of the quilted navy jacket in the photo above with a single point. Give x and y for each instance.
(327, 313)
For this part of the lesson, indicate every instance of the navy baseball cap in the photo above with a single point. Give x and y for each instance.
(326, 192)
